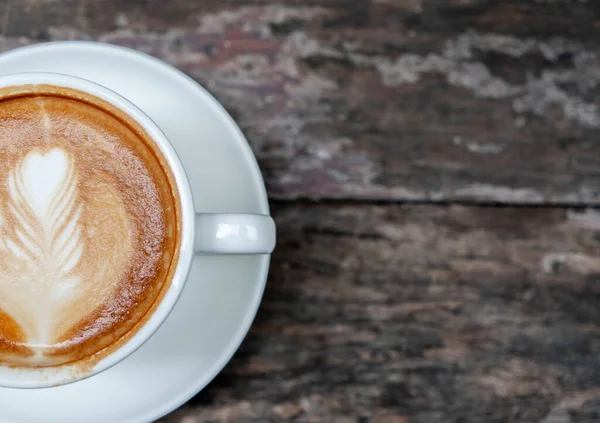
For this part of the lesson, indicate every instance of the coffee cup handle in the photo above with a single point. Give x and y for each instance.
(234, 234)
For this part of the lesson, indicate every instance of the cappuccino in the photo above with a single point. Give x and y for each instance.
(90, 225)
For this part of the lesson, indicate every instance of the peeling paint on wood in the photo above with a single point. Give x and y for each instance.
(400, 80)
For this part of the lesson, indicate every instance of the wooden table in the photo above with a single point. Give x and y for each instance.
(434, 168)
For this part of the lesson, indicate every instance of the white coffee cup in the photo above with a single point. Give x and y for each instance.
(200, 234)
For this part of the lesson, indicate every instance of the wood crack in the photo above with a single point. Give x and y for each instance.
(350, 201)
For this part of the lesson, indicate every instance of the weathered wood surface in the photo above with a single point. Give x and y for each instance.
(381, 313)
(421, 314)
(472, 100)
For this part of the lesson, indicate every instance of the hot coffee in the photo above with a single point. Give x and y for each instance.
(90, 225)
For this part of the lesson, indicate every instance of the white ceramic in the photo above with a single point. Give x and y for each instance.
(223, 292)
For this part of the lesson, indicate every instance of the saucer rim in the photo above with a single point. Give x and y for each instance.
(254, 302)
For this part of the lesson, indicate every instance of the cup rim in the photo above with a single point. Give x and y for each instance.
(45, 377)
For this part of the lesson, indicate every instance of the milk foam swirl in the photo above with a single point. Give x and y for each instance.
(43, 243)
(45, 211)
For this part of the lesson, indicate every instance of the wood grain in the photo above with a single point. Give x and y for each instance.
(420, 314)
(406, 100)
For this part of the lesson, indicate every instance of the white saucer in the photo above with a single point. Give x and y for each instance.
(222, 294)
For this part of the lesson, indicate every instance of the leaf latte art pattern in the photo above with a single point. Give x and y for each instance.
(42, 243)
(42, 194)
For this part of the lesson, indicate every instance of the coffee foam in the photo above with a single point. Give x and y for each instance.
(88, 225)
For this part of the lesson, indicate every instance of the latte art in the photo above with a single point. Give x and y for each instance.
(44, 245)
(88, 226)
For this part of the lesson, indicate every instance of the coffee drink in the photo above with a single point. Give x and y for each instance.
(90, 224)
